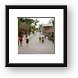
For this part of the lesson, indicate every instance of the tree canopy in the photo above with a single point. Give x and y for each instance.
(29, 21)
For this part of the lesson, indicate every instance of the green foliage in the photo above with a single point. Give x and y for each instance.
(19, 33)
(53, 23)
(29, 22)
(19, 22)
(33, 27)
(40, 26)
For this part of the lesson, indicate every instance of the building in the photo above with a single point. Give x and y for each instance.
(48, 30)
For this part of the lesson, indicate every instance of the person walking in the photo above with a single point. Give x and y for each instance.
(27, 39)
(20, 40)
(42, 39)
(45, 36)
(39, 38)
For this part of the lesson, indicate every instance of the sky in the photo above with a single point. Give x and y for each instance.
(42, 20)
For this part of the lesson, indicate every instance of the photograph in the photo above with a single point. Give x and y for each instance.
(36, 35)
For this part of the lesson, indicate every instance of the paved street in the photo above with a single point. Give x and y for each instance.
(36, 47)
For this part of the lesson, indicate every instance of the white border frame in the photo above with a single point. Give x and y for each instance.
(14, 57)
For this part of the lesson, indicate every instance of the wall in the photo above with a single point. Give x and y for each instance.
(71, 71)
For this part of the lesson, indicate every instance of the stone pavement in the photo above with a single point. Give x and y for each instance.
(36, 47)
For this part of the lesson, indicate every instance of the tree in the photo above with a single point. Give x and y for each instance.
(53, 23)
(36, 21)
(40, 27)
(29, 22)
(19, 22)
(33, 27)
